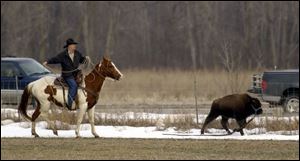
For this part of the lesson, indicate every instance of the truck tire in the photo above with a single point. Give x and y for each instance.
(291, 104)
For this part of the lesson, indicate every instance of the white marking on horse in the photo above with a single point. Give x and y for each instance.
(117, 69)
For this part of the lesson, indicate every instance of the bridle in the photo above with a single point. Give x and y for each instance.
(92, 73)
(97, 72)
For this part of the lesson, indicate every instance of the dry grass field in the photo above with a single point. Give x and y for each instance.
(146, 149)
(173, 86)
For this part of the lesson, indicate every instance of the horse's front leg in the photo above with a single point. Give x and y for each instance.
(82, 110)
(91, 114)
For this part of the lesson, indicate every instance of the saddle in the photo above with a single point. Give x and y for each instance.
(60, 81)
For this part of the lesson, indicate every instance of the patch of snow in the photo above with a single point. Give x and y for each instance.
(9, 128)
(23, 130)
(6, 122)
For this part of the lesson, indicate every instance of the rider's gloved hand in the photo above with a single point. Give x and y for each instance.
(88, 59)
(45, 63)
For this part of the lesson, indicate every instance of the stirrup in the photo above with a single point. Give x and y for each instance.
(73, 106)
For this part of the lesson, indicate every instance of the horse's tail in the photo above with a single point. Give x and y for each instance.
(24, 102)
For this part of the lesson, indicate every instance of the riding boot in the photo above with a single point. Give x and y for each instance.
(72, 106)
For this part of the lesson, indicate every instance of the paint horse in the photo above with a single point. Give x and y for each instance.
(45, 93)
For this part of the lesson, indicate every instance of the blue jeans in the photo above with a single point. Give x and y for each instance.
(72, 89)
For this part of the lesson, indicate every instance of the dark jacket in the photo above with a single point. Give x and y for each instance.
(67, 64)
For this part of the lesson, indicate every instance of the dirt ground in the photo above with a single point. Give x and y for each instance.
(110, 148)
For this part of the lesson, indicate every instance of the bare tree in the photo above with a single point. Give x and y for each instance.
(154, 34)
(231, 61)
(113, 24)
(191, 38)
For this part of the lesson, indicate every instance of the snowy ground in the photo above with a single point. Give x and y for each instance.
(22, 129)
(9, 128)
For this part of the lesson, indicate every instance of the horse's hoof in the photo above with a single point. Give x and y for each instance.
(97, 136)
(78, 137)
(55, 133)
(36, 135)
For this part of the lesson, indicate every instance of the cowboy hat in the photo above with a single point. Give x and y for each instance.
(70, 42)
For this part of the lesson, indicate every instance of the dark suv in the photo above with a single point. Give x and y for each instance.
(16, 73)
(278, 87)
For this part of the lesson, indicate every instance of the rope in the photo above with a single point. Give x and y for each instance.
(239, 129)
(235, 130)
(86, 61)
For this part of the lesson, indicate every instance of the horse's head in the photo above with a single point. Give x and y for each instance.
(109, 69)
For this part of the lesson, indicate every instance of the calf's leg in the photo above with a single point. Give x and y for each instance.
(224, 123)
(211, 116)
(241, 124)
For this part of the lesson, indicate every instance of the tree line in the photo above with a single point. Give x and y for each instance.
(150, 34)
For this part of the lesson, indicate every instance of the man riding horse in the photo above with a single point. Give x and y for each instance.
(69, 59)
(45, 92)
